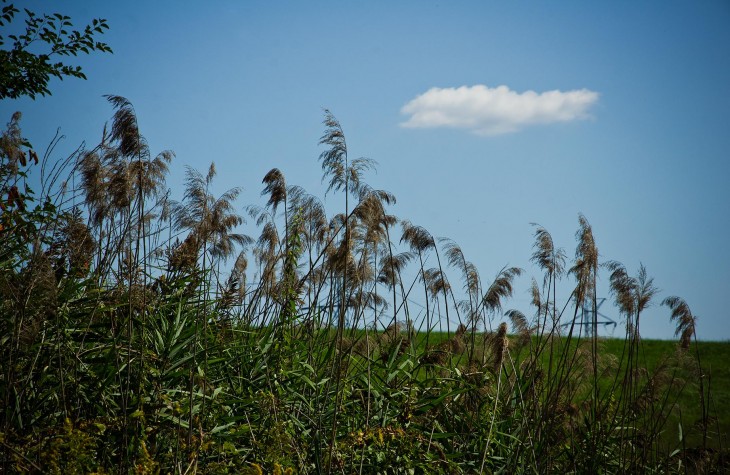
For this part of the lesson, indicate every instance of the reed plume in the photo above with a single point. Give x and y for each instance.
(500, 288)
(275, 188)
(500, 345)
(586, 260)
(344, 174)
(520, 326)
(73, 246)
(209, 220)
(546, 255)
(682, 315)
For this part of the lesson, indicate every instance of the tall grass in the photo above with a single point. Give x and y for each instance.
(135, 342)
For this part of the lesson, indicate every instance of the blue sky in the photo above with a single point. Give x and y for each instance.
(642, 151)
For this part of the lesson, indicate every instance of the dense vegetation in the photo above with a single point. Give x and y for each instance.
(142, 334)
(130, 345)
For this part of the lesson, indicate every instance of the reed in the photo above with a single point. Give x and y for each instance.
(144, 334)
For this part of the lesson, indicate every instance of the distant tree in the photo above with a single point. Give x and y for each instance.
(32, 58)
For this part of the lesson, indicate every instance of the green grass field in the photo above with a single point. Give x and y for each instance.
(663, 357)
(714, 358)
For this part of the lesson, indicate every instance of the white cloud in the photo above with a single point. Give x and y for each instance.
(492, 111)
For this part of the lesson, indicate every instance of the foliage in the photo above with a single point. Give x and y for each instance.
(26, 68)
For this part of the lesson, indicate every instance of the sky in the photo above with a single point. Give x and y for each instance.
(483, 117)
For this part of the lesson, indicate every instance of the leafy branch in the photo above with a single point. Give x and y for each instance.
(24, 72)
